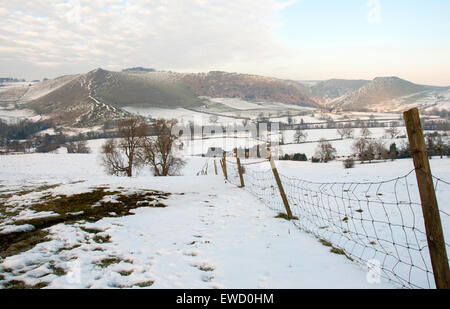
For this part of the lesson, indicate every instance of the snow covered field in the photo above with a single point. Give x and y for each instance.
(372, 212)
(11, 116)
(210, 235)
(182, 115)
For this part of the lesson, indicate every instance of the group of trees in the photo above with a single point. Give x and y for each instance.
(346, 131)
(325, 152)
(295, 157)
(21, 130)
(138, 145)
(78, 147)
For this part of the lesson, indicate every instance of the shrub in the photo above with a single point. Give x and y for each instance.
(78, 147)
(299, 157)
(315, 160)
(349, 163)
(285, 157)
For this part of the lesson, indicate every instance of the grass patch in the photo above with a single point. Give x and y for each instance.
(68, 248)
(15, 243)
(125, 273)
(90, 231)
(28, 191)
(75, 208)
(145, 284)
(325, 242)
(20, 285)
(58, 271)
(102, 239)
(337, 251)
(108, 262)
(205, 268)
(285, 217)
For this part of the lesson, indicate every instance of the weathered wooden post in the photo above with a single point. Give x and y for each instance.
(433, 225)
(224, 165)
(280, 185)
(215, 168)
(238, 161)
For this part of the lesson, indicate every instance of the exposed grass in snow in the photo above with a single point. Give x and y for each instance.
(88, 206)
(285, 217)
(21, 285)
(15, 243)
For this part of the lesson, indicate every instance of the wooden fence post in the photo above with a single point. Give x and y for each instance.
(433, 225)
(280, 185)
(224, 166)
(215, 167)
(241, 177)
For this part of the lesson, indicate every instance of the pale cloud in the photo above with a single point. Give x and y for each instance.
(42, 37)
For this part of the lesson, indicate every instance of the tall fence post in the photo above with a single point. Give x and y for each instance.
(433, 225)
(215, 168)
(238, 161)
(280, 185)
(223, 163)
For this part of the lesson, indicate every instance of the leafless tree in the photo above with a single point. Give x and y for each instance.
(300, 136)
(393, 132)
(365, 132)
(325, 151)
(121, 156)
(158, 152)
(345, 132)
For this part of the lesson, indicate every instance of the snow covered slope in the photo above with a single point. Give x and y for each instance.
(210, 235)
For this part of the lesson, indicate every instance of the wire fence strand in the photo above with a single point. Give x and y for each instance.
(369, 222)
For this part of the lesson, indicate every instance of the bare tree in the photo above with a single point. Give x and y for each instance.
(325, 151)
(300, 136)
(365, 132)
(345, 132)
(158, 150)
(121, 156)
(369, 150)
(393, 132)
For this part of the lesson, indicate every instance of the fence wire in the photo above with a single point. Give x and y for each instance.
(372, 223)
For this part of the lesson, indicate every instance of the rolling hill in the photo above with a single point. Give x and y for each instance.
(377, 94)
(91, 99)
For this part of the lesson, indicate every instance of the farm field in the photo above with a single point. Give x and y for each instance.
(205, 234)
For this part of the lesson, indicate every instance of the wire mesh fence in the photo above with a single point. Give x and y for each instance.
(372, 223)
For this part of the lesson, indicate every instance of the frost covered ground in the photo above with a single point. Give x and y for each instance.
(210, 234)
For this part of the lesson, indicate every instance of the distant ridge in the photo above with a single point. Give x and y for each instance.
(139, 69)
(91, 99)
(379, 90)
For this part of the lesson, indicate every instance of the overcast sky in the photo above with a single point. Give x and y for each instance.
(302, 40)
